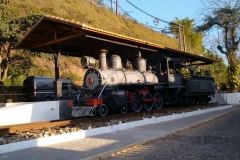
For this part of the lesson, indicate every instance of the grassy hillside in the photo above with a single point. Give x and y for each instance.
(85, 12)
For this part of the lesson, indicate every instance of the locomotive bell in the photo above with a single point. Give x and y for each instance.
(87, 62)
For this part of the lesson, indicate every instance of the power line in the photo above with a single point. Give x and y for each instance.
(171, 23)
(148, 13)
(117, 5)
(135, 19)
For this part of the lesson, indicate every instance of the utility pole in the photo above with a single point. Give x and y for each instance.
(116, 6)
(181, 38)
(184, 42)
(111, 5)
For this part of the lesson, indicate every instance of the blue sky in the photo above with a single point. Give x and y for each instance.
(163, 9)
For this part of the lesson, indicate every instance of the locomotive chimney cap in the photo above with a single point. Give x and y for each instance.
(102, 51)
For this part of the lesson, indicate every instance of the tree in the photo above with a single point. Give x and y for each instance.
(12, 29)
(193, 39)
(219, 69)
(224, 16)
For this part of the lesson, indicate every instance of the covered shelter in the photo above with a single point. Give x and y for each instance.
(59, 36)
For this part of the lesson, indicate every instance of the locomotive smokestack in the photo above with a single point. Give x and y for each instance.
(102, 59)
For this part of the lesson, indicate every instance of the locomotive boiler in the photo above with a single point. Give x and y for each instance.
(115, 75)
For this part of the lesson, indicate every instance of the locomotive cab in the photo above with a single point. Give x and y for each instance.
(168, 70)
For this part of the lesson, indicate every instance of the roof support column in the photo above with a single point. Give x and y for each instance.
(57, 84)
(56, 56)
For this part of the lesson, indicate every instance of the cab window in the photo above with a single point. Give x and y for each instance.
(171, 68)
(163, 67)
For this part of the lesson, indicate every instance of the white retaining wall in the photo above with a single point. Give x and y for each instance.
(233, 98)
(29, 112)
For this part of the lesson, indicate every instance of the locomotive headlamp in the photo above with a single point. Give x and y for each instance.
(90, 81)
(87, 62)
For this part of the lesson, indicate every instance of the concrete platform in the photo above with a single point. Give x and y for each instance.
(107, 143)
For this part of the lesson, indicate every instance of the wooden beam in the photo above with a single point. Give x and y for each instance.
(50, 30)
(58, 40)
(69, 28)
(55, 33)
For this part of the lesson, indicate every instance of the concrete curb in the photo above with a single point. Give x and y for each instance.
(96, 131)
(114, 152)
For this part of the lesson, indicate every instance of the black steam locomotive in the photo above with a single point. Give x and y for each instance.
(144, 83)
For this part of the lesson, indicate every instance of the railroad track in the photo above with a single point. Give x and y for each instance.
(19, 128)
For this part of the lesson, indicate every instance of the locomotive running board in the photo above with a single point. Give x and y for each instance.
(82, 111)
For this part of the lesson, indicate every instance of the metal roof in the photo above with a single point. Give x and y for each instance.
(54, 34)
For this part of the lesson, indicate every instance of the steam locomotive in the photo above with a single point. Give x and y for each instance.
(144, 83)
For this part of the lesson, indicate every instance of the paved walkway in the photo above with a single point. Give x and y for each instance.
(101, 146)
(215, 140)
